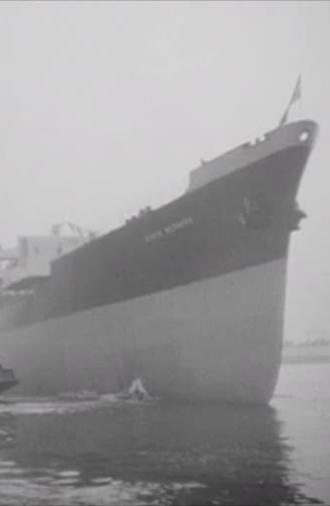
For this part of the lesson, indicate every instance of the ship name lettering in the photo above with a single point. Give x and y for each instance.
(169, 229)
(177, 225)
(154, 236)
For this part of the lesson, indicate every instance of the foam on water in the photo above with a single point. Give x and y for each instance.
(39, 406)
(68, 474)
(101, 492)
(50, 486)
(7, 463)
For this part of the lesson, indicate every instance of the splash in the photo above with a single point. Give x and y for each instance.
(135, 392)
(68, 402)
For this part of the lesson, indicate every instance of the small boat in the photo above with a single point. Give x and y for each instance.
(7, 379)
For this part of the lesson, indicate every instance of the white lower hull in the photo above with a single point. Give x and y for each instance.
(218, 339)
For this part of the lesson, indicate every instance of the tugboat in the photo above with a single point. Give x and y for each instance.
(7, 379)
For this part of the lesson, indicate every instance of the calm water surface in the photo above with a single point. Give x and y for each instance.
(109, 452)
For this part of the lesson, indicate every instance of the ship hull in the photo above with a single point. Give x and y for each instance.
(189, 298)
(219, 339)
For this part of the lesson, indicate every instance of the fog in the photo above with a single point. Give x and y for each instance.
(106, 107)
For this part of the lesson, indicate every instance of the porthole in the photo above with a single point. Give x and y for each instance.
(304, 136)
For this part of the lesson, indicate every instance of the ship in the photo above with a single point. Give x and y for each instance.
(188, 298)
(7, 379)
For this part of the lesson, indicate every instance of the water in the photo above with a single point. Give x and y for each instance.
(109, 452)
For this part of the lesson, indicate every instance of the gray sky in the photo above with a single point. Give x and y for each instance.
(106, 107)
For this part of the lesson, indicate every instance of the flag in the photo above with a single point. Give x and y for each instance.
(296, 95)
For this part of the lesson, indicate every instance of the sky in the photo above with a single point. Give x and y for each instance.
(105, 107)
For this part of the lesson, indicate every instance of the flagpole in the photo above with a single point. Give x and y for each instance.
(296, 95)
(301, 99)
